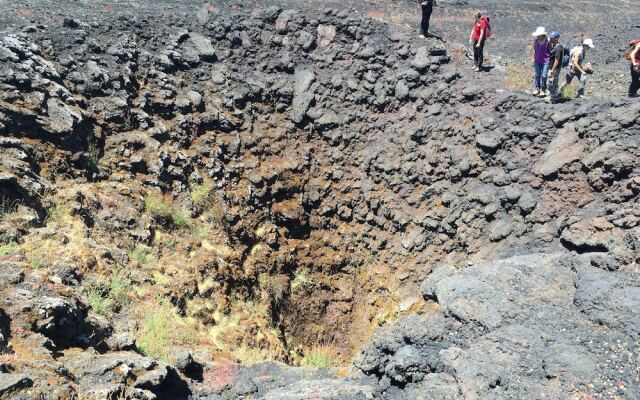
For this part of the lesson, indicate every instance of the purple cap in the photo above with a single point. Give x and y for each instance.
(555, 35)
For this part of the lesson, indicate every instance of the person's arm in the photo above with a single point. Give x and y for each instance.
(634, 56)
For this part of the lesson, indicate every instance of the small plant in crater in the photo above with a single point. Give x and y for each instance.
(55, 212)
(93, 156)
(140, 255)
(154, 336)
(36, 261)
(201, 233)
(367, 259)
(200, 193)
(120, 289)
(98, 296)
(7, 206)
(302, 281)
(275, 285)
(321, 356)
(180, 219)
(157, 207)
(7, 249)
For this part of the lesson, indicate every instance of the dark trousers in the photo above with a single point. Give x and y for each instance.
(635, 81)
(426, 17)
(478, 53)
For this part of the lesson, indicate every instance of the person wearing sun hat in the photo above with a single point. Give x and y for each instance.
(577, 67)
(541, 56)
(555, 65)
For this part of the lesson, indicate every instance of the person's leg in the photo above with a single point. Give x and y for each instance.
(537, 70)
(553, 88)
(424, 24)
(635, 82)
(582, 84)
(426, 18)
(481, 54)
(476, 53)
(545, 74)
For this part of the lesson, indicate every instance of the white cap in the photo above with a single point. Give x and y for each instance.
(588, 42)
(539, 31)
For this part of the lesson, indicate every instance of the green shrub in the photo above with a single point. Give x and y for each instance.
(140, 255)
(36, 261)
(98, 302)
(7, 249)
(120, 288)
(322, 356)
(569, 92)
(156, 331)
(180, 219)
(201, 233)
(93, 156)
(157, 207)
(200, 193)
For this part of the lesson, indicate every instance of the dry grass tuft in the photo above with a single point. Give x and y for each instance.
(518, 77)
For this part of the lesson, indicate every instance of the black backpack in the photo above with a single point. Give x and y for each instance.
(566, 56)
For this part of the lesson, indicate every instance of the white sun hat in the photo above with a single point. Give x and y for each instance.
(539, 31)
(588, 42)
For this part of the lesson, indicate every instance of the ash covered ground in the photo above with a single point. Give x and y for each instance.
(249, 200)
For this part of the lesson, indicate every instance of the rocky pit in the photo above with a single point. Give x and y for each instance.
(206, 201)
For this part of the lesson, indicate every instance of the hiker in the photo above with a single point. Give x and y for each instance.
(633, 55)
(479, 34)
(427, 9)
(555, 66)
(541, 59)
(577, 68)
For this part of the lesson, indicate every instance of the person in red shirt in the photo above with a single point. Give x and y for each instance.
(477, 40)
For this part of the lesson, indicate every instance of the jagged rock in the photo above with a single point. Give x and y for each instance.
(203, 46)
(326, 35)
(10, 383)
(564, 149)
(510, 316)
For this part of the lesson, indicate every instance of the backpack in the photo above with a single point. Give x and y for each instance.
(487, 24)
(567, 56)
(632, 45)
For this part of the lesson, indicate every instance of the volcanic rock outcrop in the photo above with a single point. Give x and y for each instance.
(272, 180)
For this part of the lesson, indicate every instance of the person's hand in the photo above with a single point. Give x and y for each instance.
(478, 46)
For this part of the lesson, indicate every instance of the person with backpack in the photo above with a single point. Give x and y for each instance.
(541, 57)
(427, 10)
(577, 68)
(479, 34)
(633, 56)
(555, 66)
